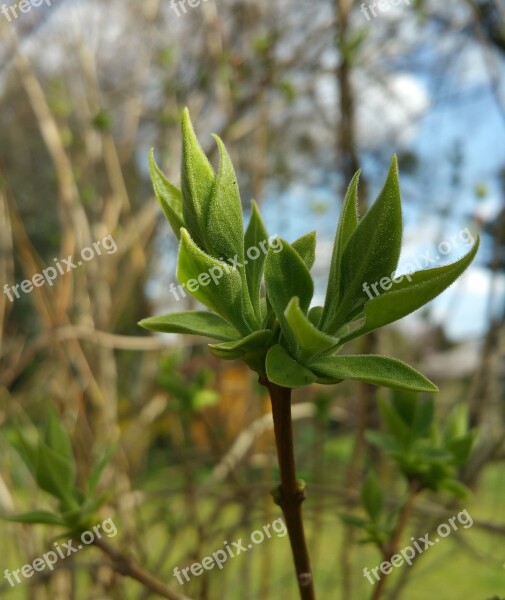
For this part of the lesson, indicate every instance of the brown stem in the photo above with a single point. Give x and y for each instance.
(128, 567)
(290, 495)
(390, 549)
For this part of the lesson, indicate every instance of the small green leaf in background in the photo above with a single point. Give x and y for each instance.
(49, 457)
(99, 467)
(417, 445)
(461, 448)
(405, 405)
(57, 438)
(55, 474)
(395, 424)
(371, 496)
(457, 423)
(25, 443)
(37, 516)
(354, 521)
(418, 415)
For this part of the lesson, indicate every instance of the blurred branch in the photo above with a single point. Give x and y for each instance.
(246, 439)
(126, 566)
(6, 260)
(100, 338)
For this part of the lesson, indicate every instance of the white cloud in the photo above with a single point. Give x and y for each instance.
(393, 105)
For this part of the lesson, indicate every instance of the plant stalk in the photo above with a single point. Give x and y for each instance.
(291, 493)
(128, 567)
(390, 549)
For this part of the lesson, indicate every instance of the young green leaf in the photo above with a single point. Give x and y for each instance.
(461, 448)
(311, 340)
(37, 516)
(306, 248)
(371, 497)
(287, 276)
(395, 424)
(354, 521)
(194, 323)
(372, 251)
(255, 234)
(99, 467)
(57, 438)
(169, 197)
(315, 315)
(405, 404)
(346, 225)
(285, 371)
(425, 415)
(237, 349)
(223, 225)
(457, 423)
(407, 296)
(383, 441)
(379, 370)
(222, 291)
(54, 474)
(26, 448)
(197, 183)
(417, 415)
(456, 488)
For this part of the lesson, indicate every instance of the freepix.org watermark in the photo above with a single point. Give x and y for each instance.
(424, 261)
(179, 6)
(381, 6)
(219, 557)
(61, 552)
(216, 273)
(23, 6)
(408, 553)
(62, 266)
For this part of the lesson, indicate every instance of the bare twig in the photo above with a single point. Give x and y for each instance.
(126, 566)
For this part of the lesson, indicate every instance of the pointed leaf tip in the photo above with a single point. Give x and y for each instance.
(197, 182)
(378, 370)
(410, 292)
(202, 323)
(168, 196)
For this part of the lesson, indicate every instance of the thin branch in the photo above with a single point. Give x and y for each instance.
(126, 566)
(391, 548)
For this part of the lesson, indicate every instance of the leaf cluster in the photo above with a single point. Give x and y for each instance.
(425, 453)
(49, 457)
(427, 456)
(260, 311)
(377, 525)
